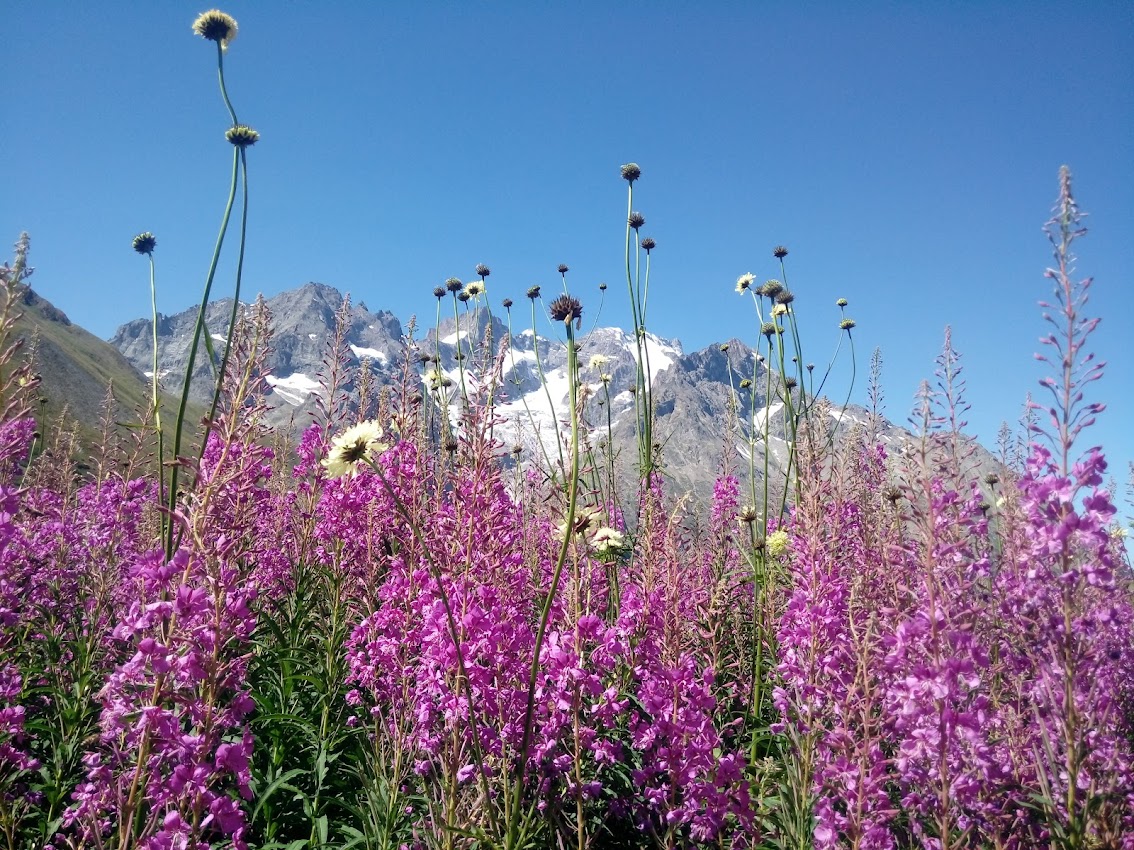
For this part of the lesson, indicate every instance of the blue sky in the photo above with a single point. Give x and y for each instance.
(906, 153)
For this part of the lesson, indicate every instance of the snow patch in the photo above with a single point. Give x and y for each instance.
(295, 388)
(372, 353)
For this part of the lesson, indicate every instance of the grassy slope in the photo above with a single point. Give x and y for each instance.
(76, 368)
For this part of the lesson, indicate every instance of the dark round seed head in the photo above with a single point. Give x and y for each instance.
(636, 220)
(454, 284)
(533, 292)
(562, 268)
(507, 303)
(784, 296)
(483, 270)
(648, 244)
(144, 243)
(770, 288)
(631, 172)
(566, 308)
(439, 292)
(779, 252)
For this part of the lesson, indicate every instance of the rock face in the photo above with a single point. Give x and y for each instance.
(710, 404)
(303, 322)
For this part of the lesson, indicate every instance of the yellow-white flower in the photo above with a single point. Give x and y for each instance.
(608, 541)
(474, 288)
(597, 361)
(352, 449)
(778, 543)
(745, 281)
(779, 310)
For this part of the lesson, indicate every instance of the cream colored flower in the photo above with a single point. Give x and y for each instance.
(474, 288)
(216, 26)
(608, 541)
(778, 543)
(354, 448)
(779, 310)
(745, 281)
(606, 377)
(597, 361)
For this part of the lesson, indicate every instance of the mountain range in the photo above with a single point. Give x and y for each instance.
(697, 395)
(712, 405)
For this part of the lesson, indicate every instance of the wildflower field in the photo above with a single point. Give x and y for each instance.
(397, 635)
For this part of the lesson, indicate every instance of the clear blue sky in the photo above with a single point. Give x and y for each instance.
(906, 153)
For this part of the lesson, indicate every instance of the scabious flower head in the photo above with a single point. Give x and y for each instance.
(779, 252)
(636, 220)
(562, 268)
(507, 302)
(648, 244)
(242, 136)
(353, 448)
(597, 361)
(463, 296)
(747, 514)
(768, 329)
(846, 324)
(770, 288)
(745, 383)
(474, 288)
(566, 308)
(482, 270)
(606, 377)
(779, 310)
(144, 243)
(784, 296)
(631, 172)
(744, 282)
(724, 348)
(439, 292)
(602, 287)
(453, 284)
(842, 302)
(533, 292)
(215, 25)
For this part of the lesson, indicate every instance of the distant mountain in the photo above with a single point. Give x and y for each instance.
(696, 396)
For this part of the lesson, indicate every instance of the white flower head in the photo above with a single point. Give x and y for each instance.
(354, 448)
(597, 361)
(745, 281)
(608, 541)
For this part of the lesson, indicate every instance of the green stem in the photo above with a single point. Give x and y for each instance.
(179, 426)
(156, 398)
(546, 389)
(235, 300)
(545, 614)
(223, 90)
